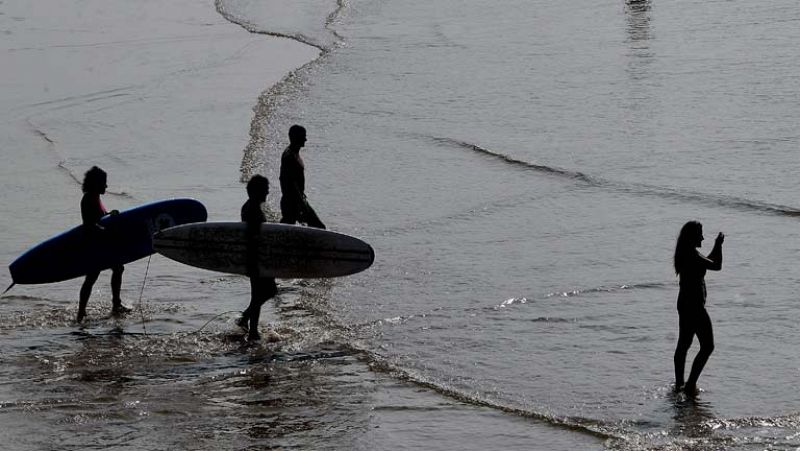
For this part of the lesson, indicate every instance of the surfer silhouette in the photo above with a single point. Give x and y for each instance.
(92, 210)
(261, 288)
(693, 319)
(294, 204)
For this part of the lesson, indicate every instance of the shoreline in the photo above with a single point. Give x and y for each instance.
(257, 148)
(161, 113)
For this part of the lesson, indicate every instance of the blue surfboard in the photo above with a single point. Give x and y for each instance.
(127, 237)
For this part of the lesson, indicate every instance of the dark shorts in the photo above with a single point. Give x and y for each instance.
(294, 211)
(114, 269)
(262, 288)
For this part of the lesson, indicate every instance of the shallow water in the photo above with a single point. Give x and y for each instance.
(522, 173)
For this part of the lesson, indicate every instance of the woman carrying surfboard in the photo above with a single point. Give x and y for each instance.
(261, 288)
(92, 210)
(691, 267)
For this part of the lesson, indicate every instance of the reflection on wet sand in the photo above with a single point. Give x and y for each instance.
(691, 416)
(638, 18)
(214, 392)
(639, 36)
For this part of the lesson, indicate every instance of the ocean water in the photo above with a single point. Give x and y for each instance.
(522, 171)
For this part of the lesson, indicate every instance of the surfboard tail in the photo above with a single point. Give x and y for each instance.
(9, 287)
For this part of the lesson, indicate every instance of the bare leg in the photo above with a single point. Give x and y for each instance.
(309, 216)
(255, 314)
(705, 335)
(289, 211)
(261, 289)
(116, 287)
(684, 342)
(687, 327)
(86, 292)
(243, 322)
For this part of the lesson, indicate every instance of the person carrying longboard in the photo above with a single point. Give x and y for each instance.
(261, 288)
(92, 210)
(294, 204)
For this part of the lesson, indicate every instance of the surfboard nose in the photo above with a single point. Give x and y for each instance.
(371, 255)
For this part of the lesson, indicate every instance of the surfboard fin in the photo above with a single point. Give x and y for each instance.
(9, 287)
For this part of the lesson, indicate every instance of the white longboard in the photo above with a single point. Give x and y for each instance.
(284, 251)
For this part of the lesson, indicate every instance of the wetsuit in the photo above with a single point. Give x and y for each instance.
(294, 205)
(261, 288)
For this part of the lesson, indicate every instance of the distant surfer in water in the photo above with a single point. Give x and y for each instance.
(693, 319)
(92, 210)
(294, 205)
(261, 288)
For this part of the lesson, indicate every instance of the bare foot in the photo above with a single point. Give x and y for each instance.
(243, 323)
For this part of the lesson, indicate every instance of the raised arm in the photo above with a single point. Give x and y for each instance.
(714, 260)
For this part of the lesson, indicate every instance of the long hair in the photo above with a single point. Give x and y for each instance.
(685, 247)
(93, 180)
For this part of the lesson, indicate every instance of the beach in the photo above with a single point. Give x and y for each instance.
(521, 172)
(161, 96)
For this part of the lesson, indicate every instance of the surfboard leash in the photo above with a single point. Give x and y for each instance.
(141, 292)
(212, 319)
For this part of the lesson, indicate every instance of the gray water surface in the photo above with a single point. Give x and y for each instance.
(522, 171)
